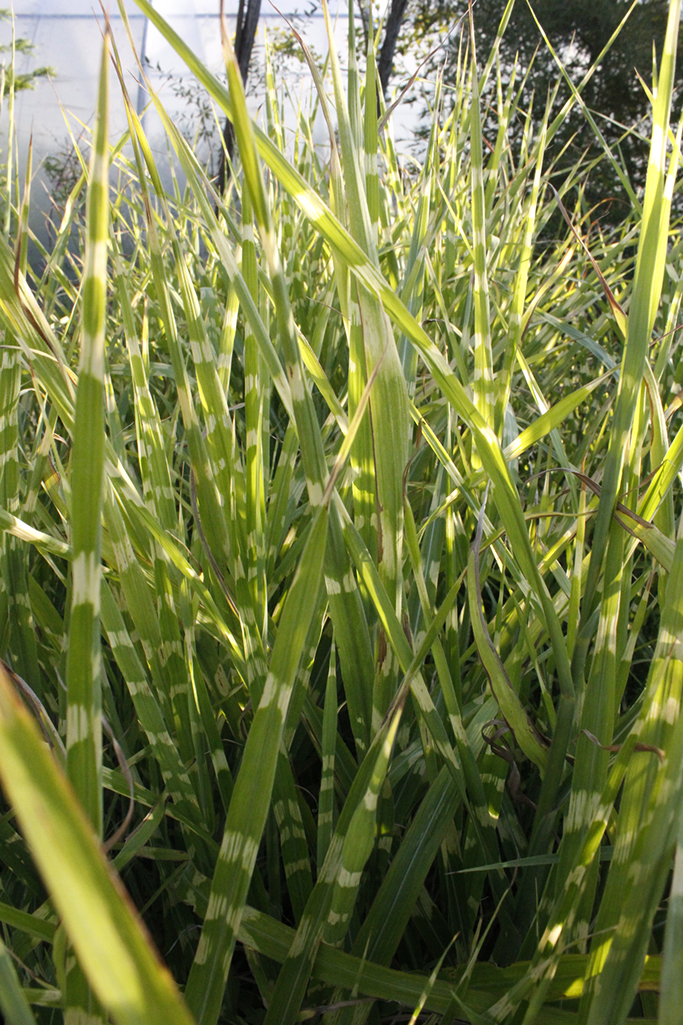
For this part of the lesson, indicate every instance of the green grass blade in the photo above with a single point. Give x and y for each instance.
(13, 1002)
(251, 796)
(358, 843)
(87, 475)
(107, 936)
(644, 302)
(483, 356)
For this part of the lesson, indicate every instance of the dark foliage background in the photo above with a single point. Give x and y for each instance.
(578, 30)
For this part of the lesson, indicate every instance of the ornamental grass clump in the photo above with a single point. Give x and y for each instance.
(342, 572)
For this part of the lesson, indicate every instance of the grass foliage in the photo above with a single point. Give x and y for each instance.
(341, 591)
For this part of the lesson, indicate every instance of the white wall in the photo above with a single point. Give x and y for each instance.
(67, 35)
